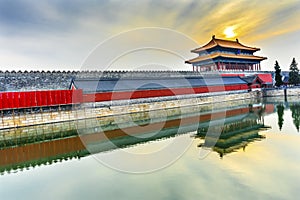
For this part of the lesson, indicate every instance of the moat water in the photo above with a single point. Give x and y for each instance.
(252, 153)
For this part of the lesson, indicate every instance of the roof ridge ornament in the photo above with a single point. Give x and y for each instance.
(237, 40)
(214, 37)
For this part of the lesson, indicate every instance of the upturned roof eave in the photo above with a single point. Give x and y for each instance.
(194, 60)
(201, 49)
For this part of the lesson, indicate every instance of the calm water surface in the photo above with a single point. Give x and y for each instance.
(265, 165)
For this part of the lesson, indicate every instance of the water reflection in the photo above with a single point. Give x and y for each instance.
(295, 108)
(280, 112)
(237, 132)
(46, 144)
(291, 104)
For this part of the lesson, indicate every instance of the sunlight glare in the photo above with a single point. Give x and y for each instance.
(229, 32)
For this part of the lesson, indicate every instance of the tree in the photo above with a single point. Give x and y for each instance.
(294, 73)
(278, 77)
(280, 112)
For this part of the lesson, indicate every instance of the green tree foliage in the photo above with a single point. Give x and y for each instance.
(295, 108)
(294, 73)
(278, 77)
(280, 112)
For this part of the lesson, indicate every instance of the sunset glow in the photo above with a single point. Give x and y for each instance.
(27, 35)
(229, 32)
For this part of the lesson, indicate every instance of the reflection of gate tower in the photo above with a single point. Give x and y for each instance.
(225, 55)
(235, 134)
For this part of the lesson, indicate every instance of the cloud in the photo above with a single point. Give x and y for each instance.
(63, 27)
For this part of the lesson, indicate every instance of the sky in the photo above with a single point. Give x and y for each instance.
(61, 34)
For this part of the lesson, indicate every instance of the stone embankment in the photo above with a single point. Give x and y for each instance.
(290, 91)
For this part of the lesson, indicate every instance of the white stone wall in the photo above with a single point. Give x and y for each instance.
(280, 92)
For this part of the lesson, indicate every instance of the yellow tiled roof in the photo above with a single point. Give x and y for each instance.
(224, 43)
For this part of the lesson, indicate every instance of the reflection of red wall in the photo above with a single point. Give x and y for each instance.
(30, 152)
(269, 108)
(38, 151)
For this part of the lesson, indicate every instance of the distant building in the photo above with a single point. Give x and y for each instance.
(225, 55)
(258, 81)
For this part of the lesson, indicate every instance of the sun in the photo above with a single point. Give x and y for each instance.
(229, 32)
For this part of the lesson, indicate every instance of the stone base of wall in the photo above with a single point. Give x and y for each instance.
(294, 91)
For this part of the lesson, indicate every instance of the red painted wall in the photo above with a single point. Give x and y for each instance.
(107, 96)
(9, 100)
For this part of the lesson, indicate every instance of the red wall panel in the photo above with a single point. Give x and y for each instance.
(38, 96)
(44, 98)
(80, 95)
(77, 96)
(68, 96)
(32, 96)
(27, 99)
(107, 96)
(63, 97)
(16, 99)
(21, 99)
(1, 100)
(58, 97)
(4, 100)
(10, 103)
(49, 98)
(53, 97)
